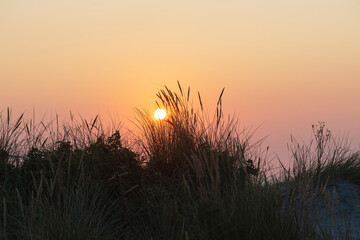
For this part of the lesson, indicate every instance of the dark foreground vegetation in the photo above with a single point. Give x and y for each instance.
(188, 176)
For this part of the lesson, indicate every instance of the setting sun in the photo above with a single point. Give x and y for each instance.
(160, 114)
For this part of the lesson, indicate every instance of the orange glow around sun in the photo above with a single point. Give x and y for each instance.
(160, 114)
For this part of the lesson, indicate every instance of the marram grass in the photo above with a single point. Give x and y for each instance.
(191, 176)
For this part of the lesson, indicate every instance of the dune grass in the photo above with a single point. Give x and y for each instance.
(190, 177)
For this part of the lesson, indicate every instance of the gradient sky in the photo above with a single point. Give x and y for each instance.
(284, 64)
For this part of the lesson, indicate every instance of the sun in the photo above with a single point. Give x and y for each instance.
(160, 114)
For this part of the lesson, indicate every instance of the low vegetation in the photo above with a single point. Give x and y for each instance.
(188, 176)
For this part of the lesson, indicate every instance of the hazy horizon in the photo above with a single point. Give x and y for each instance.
(284, 65)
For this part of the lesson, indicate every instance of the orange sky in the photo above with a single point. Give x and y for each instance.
(284, 64)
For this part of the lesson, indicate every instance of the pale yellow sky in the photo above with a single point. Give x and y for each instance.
(284, 64)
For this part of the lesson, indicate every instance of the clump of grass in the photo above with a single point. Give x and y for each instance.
(63, 185)
(10, 138)
(324, 158)
(188, 130)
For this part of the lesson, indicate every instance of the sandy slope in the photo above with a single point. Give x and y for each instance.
(340, 210)
(335, 209)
